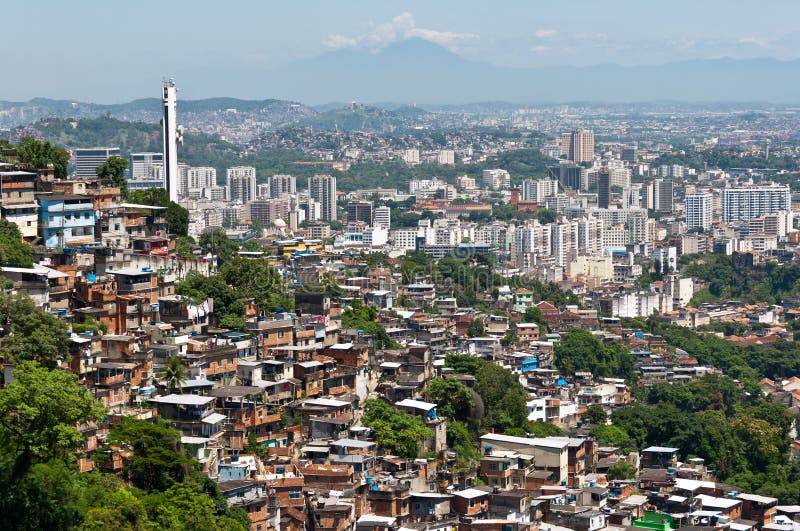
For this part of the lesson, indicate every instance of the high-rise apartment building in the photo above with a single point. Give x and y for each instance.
(322, 190)
(581, 146)
(447, 156)
(241, 183)
(266, 211)
(662, 195)
(88, 159)
(360, 211)
(538, 189)
(603, 188)
(201, 177)
(747, 202)
(411, 156)
(281, 185)
(383, 217)
(699, 211)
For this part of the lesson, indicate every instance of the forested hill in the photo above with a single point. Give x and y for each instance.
(207, 150)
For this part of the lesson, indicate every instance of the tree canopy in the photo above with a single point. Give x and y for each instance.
(14, 252)
(113, 170)
(394, 429)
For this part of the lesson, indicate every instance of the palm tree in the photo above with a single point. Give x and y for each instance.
(173, 374)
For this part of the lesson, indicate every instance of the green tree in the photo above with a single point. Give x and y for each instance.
(14, 252)
(256, 279)
(173, 375)
(621, 470)
(476, 328)
(595, 415)
(363, 317)
(611, 436)
(40, 411)
(451, 396)
(32, 333)
(176, 216)
(463, 363)
(216, 242)
(504, 398)
(184, 246)
(580, 350)
(113, 169)
(39, 155)
(395, 430)
(159, 460)
(534, 315)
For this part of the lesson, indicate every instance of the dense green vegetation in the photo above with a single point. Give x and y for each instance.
(395, 430)
(743, 437)
(14, 252)
(580, 350)
(113, 170)
(39, 155)
(769, 282)
(41, 487)
(176, 216)
(30, 333)
(236, 280)
(362, 317)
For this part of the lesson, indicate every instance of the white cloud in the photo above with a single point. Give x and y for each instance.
(399, 28)
(753, 41)
(545, 33)
(539, 48)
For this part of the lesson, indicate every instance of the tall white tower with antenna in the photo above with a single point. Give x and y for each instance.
(170, 135)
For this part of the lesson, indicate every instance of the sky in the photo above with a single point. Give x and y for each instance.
(109, 51)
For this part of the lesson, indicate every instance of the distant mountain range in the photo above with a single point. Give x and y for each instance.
(419, 71)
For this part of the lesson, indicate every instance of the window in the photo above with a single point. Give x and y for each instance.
(280, 333)
(294, 494)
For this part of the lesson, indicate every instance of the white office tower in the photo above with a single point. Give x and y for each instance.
(169, 134)
(699, 211)
(241, 183)
(281, 185)
(383, 217)
(747, 202)
(322, 189)
(141, 164)
(88, 159)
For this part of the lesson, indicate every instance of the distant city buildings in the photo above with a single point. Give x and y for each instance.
(746, 202)
(699, 211)
(88, 159)
(322, 190)
(241, 183)
(578, 146)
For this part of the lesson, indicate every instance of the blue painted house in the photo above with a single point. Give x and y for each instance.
(66, 219)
